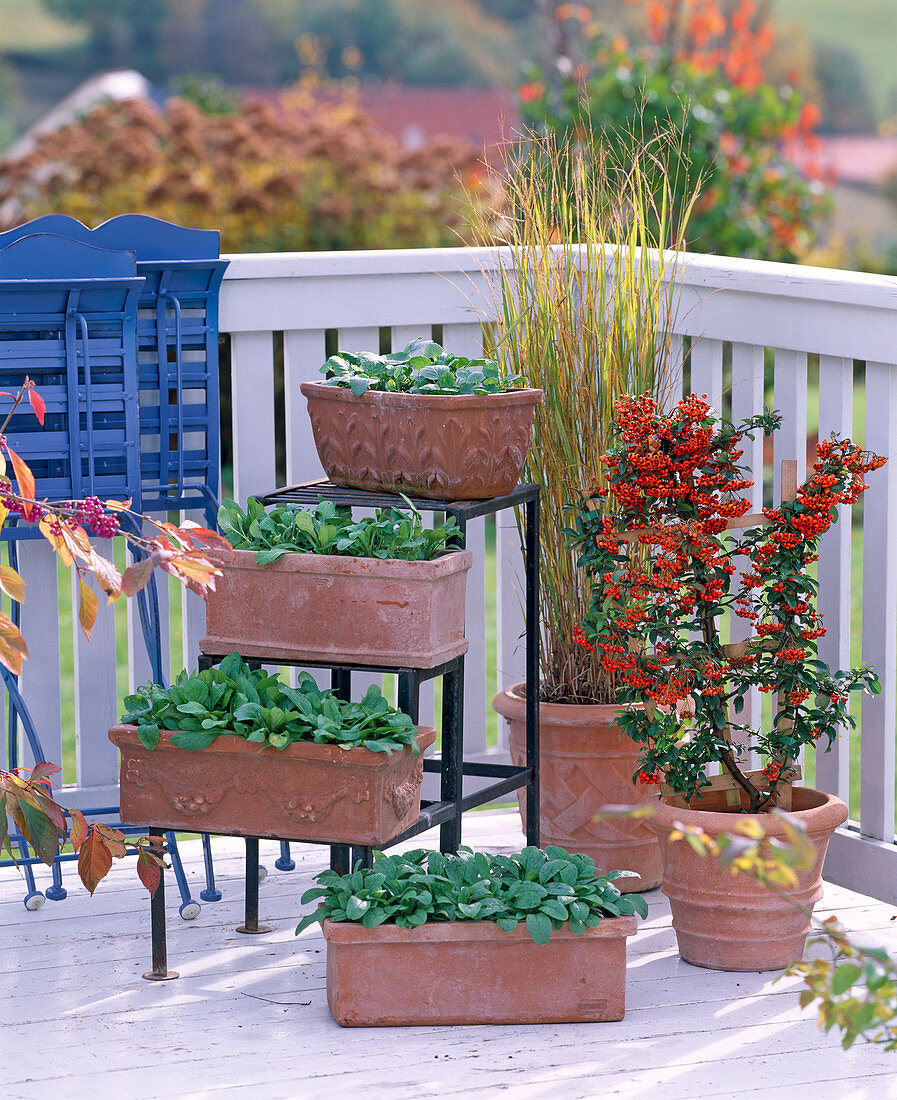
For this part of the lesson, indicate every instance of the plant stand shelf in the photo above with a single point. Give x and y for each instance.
(450, 766)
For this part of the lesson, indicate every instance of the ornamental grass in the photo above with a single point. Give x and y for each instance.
(586, 298)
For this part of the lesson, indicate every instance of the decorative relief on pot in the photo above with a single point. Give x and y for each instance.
(312, 810)
(135, 770)
(457, 447)
(196, 803)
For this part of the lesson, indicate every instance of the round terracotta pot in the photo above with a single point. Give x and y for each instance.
(730, 922)
(442, 447)
(585, 762)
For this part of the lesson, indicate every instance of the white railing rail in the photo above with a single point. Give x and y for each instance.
(736, 317)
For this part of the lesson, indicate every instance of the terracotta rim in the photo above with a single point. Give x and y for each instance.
(422, 400)
(451, 561)
(125, 735)
(817, 811)
(511, 703)
(447, 931)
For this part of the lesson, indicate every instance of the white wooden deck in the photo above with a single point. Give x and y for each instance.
(248, 1015)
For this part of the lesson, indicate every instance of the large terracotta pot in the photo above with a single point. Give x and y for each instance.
(731, 922)
(317, 793)
(585, 762)
(471, 972)
(467, 447)
(355, 611)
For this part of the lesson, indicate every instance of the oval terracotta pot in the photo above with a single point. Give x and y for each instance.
(450, 447)
(731, 922)
(471, 972)
(585, 762)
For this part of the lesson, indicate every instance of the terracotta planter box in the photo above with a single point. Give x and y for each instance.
(318, 793)
(585, 762)
(731, 922)
(359, 611)
(473, 973)
(440, 447)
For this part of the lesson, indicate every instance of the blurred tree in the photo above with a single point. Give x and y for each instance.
(846, 100)
(700, 74)
(413, 41)
(124, 33)
(297, 174)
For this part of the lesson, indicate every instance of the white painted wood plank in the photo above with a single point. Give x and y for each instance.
(193, 614)
(511, 582)
(835, 415)
(139, 666)
(252, 396)
(356, 340)
(39, 682)
(95, 1025)
(96, 697)
(670, 393)
(402, 335)
(303, 354)
(877, 756)
(707, 370)
(468, 340)
(790, 441)
(747, 399)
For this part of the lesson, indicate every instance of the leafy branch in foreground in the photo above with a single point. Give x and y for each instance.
(67, 526)
(27, 799)
(855, 989)
(545, 889)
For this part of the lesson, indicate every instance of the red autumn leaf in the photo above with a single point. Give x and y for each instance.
(107, 575)
(149, 870)
(87, 612)
(37, 403)
(94, 860)
(114, 839)
(37, 828)
(206, 537)
(43, 769)
(79, 830)
(12, 645)
(137, 576)
(24, 479)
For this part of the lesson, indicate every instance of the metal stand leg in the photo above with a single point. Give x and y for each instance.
(160, 971)
(284, 862)
(452, 754)
(362, 855)
(210, 893)
(533, 834)
(250, 925)
(340, 859)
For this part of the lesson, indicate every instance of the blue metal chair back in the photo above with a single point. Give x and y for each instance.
(68, 314)
(177, 340)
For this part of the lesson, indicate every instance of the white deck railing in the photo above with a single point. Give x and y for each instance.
(735, 316)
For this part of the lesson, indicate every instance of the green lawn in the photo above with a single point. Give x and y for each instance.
(868, 27)
(27, 27)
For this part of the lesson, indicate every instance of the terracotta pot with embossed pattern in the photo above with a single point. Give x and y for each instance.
(317, 793)
(471, 972)
(443, 447)
(585, 762)
(732, 922)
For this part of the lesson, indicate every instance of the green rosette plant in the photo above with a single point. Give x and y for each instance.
(238, 701)
(662, 569)
(327, 529)
(546, 890)
(423, 367)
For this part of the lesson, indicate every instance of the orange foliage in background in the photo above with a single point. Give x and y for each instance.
(295, 174)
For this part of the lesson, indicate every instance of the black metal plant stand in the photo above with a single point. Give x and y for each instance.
(451, 766)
